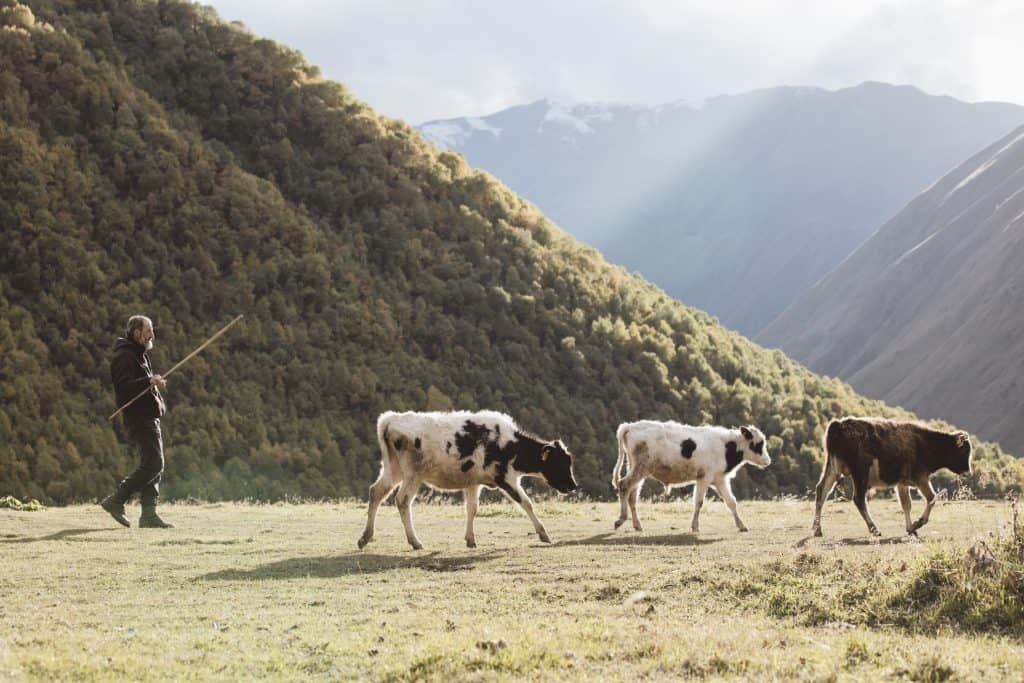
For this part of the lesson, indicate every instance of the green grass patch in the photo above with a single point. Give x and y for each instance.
(977, 589)
(12, 503)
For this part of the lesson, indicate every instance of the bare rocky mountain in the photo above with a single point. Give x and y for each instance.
(929, 312)
(742, 204)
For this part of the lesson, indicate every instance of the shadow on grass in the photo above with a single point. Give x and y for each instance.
(60, 535)
(614, 538)
(892, 540)
(197, 541)
(824, 540)
(331, 567)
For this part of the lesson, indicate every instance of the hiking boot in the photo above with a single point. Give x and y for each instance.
(116, 510)
(151, 520)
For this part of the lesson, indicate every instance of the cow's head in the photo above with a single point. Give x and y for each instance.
(962, 460)
(756, 451)
(556, 466)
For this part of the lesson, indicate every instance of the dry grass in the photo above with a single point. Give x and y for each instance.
(280, 591)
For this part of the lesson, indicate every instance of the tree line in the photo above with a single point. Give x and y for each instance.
(156, 159)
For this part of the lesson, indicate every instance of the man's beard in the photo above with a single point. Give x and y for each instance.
(149, 345)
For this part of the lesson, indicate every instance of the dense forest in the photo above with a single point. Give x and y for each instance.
(156, 159)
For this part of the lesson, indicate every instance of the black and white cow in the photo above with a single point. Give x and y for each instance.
(676, 454)
(879, 453)
(462, 450)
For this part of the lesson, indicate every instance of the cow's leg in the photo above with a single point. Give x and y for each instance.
(634, 498)
(903, 491)
(925, 487)
(860, 495)
(629, 492)
(623, 490)
(631, 498)
(827, 482)
(379, 491)
(406, 494)
(515, 492)
(472, 496)
(699, 489)
(725, 490)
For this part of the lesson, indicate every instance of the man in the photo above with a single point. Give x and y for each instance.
(132, 373)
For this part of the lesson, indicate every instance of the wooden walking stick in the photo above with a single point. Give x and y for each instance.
(178, 365)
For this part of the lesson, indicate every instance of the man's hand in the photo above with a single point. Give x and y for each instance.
(157, 381)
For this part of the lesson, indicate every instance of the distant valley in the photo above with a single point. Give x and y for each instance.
(929, 312)
(741, 205)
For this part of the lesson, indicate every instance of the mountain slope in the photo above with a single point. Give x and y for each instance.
(741, 205)
(929, 312)
(156, 159)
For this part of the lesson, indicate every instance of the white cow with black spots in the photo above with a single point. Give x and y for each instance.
(462, 450)
(676, 454)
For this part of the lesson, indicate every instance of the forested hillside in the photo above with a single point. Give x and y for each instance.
(156, 159)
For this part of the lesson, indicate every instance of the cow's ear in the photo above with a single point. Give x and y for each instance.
(747, 434)
(962, 438)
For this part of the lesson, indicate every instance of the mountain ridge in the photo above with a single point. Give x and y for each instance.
(786, 181)
(924, 312)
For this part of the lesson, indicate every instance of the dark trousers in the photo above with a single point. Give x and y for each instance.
(145, 480)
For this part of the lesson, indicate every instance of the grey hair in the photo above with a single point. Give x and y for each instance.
(135, 323)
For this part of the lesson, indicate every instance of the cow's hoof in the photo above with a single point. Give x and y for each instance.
(417, 546)
(817, 533)
(744, 529)
(470, 543)
(695, 529)
(619, 522)
(362, 542)
(638, 527)
(875, 532)
(544, 538)
(913, 532)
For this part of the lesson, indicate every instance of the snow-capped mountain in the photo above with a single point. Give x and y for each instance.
(739, 205)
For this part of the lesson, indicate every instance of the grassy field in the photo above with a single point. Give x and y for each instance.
(280, 591)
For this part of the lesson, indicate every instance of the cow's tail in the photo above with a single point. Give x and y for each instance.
(620, 436)
(829, 444)
(382, 438)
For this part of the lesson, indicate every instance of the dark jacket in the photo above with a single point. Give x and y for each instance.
(130, 371)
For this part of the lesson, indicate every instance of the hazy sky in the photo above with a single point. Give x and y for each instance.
(446, 58)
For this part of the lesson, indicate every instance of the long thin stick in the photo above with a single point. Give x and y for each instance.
(178, 365)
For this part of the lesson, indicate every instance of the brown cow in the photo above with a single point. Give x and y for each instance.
(876, 453)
